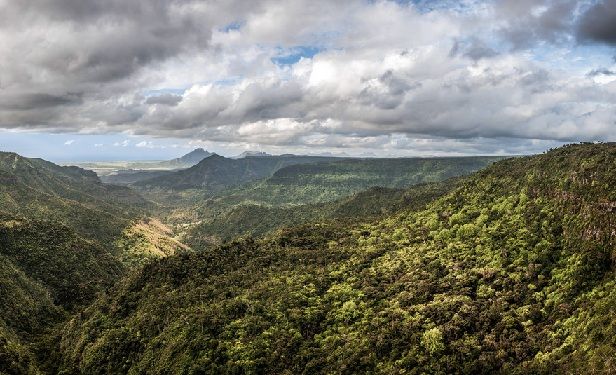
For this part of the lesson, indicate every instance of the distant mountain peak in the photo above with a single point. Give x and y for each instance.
(198, 152)
(192, 158)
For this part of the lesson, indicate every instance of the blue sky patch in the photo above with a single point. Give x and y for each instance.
(232, 26)
(293, 55)
(157, 92)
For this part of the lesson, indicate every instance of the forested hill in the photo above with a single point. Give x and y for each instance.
(46, 272)
(511, 272)
(398, 172)
(215, 172)
(313, 174)
(38, 189)
(64, 238)
(258, 219)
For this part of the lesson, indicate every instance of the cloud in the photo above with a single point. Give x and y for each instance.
(148, 144)
(124, 143)
(601, 72)
(598, 24)
(69, 142)
(310, 73)
(30, 101)
(164, 99)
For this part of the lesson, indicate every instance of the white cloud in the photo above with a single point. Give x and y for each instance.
(69, 142)
(124, 143)
(145, 144)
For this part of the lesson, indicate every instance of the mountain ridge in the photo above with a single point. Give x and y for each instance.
(218, 172)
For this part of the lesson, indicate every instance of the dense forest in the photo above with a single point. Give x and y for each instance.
(509, 269)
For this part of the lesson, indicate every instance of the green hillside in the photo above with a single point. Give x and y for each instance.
(331, 180)
(511, 272)
(258, 219)
(34, 188)
(46, 272)
(64, 238)
(215, 172)
(300, 193)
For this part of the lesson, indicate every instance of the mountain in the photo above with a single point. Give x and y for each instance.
(291, 179)
(307, 184)
(64, 238)
(332, 179)
(512, 272)
(251, 153)
(216, 172)
(188, 160)
(132, 172)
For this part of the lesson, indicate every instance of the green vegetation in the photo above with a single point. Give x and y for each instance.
(217, 183)
(46, 272)
(145, 240)
(37, 189)
(331, 180)
(510, 272)
(257, 220)
(215, 173)
(61, 232)
(305, 192)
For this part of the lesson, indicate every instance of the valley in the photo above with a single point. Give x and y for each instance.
(296, 264)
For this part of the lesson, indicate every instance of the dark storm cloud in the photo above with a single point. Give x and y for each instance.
(598, 24)
(37, 101)
(601, 72)
(113, 39)
(531, 21)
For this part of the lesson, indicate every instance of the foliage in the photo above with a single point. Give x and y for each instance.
(46, 271)
(257, 220)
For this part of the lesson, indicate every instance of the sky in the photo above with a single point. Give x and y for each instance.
(152, 79)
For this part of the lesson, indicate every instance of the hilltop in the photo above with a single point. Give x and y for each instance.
(188, 160)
